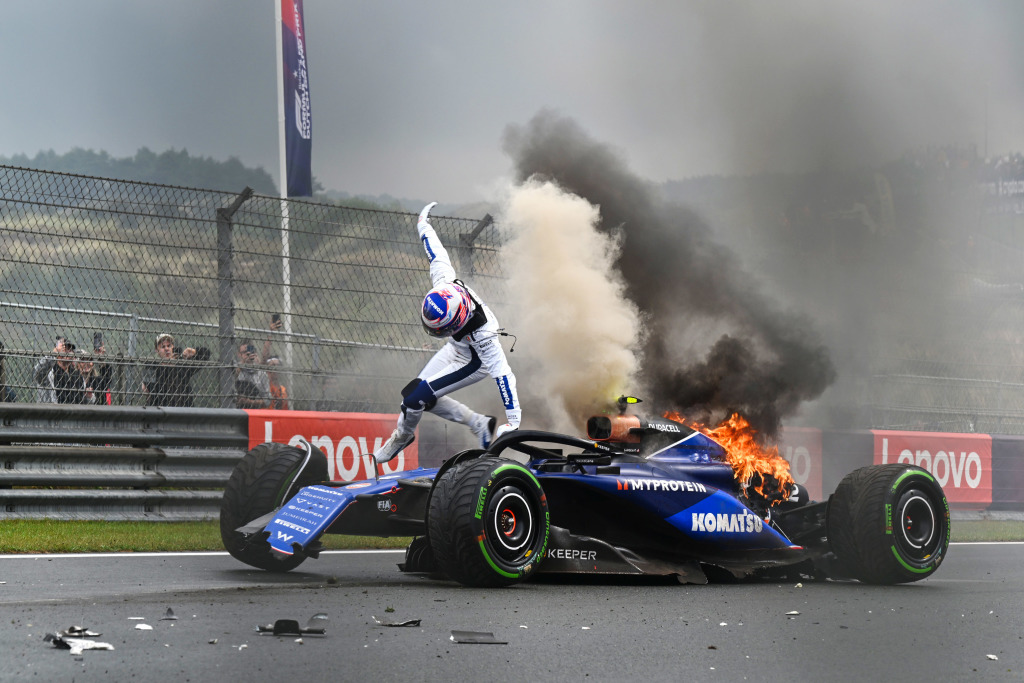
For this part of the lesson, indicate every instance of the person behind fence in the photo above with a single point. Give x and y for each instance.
(7, 395)
(452, 310)
(96, 379)
(168, 381)
(57, 380)
(252, 385)
(278, 391)
(101, 376)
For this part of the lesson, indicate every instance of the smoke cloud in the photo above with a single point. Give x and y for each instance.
(712, 343)
(579, 332)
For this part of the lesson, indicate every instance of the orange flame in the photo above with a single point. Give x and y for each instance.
(747, 456)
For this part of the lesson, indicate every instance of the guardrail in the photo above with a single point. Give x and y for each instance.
(117, 463)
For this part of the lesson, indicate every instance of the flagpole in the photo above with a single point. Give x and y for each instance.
(286, 270)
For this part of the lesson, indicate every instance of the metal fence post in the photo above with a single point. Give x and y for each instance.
(226, 299)
(466, 240)
(132, 381)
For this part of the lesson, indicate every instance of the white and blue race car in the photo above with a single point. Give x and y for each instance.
(639, 495)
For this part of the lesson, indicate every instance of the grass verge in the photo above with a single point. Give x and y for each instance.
(52, 536)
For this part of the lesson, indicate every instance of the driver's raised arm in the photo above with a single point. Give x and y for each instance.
(441, 270)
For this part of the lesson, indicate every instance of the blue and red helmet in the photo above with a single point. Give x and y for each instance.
(445, 310)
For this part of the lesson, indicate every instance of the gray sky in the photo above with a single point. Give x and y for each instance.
(411, 98)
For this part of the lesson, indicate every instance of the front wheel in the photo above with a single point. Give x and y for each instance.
(260, 483)
(889, 524)
(488, 522)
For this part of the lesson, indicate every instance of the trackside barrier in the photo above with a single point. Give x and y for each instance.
(130, 463)
(107, 462)
(116, 463)
(978, 472)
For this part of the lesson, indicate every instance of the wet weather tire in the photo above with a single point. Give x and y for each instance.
(488, 522)
(258, 485)
(889, 524)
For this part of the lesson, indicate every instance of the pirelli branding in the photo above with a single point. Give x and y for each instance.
(659, 485)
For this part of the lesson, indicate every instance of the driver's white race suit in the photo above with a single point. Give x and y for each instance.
(471, 353)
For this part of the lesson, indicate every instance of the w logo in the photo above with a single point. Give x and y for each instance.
(284, 537)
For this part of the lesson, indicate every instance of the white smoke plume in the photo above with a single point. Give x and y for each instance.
(577, 330)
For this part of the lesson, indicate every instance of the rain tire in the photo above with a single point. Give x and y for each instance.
(889, 524)
(488, 523)
(257, 486)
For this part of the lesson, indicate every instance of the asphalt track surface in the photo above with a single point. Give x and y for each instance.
(940, 629)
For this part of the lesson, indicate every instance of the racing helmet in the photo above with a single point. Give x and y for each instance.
(445, 310)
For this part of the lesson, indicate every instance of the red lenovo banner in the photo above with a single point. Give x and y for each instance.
(802, 448)
(348, 439)
(961, 463)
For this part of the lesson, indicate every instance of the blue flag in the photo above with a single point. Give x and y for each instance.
(298, 118)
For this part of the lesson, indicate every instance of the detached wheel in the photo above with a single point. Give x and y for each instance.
(488, 522)
(258, 485)
(889, 524)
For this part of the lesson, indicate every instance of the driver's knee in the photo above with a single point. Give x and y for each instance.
(417, 395)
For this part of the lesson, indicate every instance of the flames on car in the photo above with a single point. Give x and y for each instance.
(758, 468)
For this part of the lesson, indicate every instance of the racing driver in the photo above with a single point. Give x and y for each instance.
(452, 310)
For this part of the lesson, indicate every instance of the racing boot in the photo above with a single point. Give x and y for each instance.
(404, 434)
(393, 446)
(482, 427)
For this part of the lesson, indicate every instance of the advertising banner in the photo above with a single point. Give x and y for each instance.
(801, 447)
(961, 463)
(297, 114)
(348, 439)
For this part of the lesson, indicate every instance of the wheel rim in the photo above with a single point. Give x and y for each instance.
(511, 522)
(918, 532)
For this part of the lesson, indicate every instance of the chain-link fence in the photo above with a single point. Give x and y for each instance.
(95, 271)
(112, 265)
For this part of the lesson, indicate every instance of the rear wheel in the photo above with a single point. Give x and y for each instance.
(259, 484)
(488, 522)
(889, 524)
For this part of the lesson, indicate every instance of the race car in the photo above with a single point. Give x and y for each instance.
(639, 495)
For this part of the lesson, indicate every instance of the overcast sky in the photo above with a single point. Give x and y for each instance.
(412, 98)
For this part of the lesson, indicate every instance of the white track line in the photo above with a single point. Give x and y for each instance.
(125, 555)
(214, 553)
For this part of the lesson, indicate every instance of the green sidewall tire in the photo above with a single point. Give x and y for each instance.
(889, 524)
(257, 486)
(488, 522)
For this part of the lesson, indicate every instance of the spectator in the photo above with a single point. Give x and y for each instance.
(56, 377)
(101, 377)
(278, 391)
(168, 382)
(7, 394)
(252, 385)
(96, 379)
(275, 326)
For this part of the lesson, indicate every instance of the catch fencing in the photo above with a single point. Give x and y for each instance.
(119, 263)
(122, 262)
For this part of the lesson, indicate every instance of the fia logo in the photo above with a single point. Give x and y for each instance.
(385, 505)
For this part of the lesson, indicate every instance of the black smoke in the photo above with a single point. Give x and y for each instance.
(759, 360)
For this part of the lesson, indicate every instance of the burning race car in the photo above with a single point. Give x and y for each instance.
(651, 496)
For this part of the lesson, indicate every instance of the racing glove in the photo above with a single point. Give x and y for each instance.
(503, 429)
(513, 417)
(424, 222)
